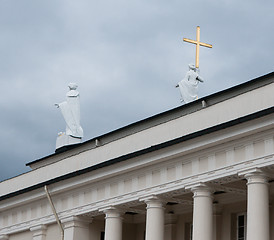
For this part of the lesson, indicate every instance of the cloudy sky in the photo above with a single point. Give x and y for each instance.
(125, 55)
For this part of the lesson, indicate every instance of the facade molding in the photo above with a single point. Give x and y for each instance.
(140, 153)
(60, 188)
(158, 190)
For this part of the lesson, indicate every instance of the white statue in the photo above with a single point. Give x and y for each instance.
(70, 110)
(189, 84)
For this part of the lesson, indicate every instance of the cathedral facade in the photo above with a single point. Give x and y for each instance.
(202, 171)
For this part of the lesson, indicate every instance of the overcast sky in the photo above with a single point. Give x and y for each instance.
(125, 55)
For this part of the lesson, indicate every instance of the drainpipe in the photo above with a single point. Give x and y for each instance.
(55, 213)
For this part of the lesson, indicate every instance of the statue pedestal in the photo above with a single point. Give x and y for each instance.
(64, 140)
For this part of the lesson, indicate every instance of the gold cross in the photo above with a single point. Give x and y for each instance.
(198, 44)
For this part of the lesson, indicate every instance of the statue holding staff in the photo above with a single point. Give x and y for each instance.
(189, 84)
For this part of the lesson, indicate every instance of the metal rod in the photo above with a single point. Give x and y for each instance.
(198, 44)
(55, 213)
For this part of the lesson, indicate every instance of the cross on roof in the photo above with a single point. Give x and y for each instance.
(198, 44)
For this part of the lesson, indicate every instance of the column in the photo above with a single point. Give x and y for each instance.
(202, 213)
(113, 223)
(217, 221)
(155, 218)
(38, 232)
(170, 226)
(76, 228)
(257, 206)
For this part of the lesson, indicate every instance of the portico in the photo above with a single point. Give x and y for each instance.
(168, 220)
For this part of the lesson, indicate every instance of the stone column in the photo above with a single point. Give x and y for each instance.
(113, 223)
(202, 213)
(155, 218)
(217, 221)
(76, 228)
(39, 232)
(257, 206)
(170, 226)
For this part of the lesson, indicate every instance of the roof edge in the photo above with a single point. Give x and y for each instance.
(209, 130)
(177, 112)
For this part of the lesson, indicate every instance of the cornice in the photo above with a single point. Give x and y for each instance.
(152, 159)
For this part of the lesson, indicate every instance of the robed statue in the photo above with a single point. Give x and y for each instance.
(189, 84)
(70, 110)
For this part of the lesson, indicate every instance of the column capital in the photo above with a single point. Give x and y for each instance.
(153, 201)
(4, 237)
(74, 221)
(201, 190)
(38, 230)
(255, 175)
(112, 212)
(256, 178)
